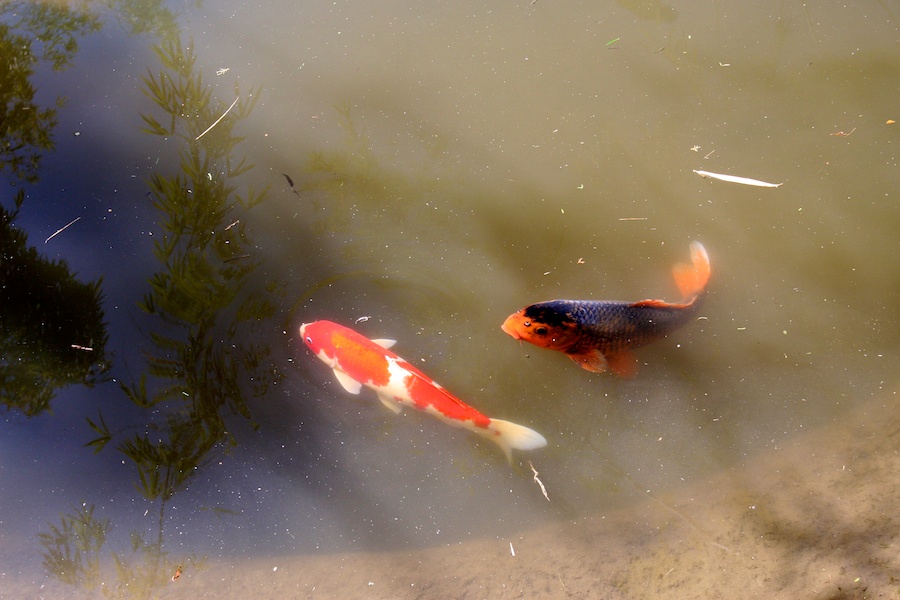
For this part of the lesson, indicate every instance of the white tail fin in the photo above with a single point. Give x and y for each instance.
(511, 436)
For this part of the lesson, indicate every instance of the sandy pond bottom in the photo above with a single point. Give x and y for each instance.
(819, 519)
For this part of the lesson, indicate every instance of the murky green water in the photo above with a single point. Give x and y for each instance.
(419, 172)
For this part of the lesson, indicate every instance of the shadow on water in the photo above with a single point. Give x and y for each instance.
(204, 365)
(51, 325)
(201, 369)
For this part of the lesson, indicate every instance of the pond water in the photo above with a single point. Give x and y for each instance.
(185, 183)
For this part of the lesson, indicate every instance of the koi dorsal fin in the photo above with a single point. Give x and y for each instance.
(651, 304)
(692, 279)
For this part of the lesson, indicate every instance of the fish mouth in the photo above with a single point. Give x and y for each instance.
(510, 330)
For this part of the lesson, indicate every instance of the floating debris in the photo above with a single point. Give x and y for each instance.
(842, 134)
(63, 228)
(291, 183)
(539, 482)
(735, 179)
(219, 119)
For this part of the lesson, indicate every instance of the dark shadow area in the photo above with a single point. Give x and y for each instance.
(205, 361)
(51, 325)
(52, 332)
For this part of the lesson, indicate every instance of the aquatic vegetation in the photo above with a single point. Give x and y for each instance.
(72, 549)
(197, 372)
(32, 33)
(204, 363)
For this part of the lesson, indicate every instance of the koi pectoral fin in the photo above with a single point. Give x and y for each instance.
(592, 361)
(385, 343)
(390, 402)
(623, 364)
(347, 382)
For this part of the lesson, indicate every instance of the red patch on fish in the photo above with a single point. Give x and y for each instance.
(428, 394)
(358, 361)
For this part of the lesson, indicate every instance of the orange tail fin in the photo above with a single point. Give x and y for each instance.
(691, 279)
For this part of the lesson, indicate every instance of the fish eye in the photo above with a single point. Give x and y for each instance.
(541, 331)
(527, 323)
(308, 340)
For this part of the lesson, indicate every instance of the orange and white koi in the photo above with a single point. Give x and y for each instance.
(358, 361)
(601, 334)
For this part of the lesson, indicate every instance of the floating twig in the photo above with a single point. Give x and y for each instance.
(61, 229)
(842, 134)
(85, 348)
(219, 119)
(735, 179)
(291, 183)
(538, 481)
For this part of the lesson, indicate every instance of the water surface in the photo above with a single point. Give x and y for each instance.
(419, 172)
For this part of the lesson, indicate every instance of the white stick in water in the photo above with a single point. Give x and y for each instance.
(735, 179)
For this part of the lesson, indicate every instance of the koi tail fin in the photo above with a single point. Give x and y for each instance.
(511, 436)
(691, 279)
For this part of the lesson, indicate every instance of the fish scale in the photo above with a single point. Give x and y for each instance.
(611, 326)
(600, 334)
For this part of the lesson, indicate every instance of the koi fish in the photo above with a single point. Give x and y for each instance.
(601, 334)
(358, 361)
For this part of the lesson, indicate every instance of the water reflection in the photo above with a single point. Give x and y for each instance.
(33, 34)
(51, 325)
(72, 550)
(206, 362)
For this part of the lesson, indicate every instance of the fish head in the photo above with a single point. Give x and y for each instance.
(543, 325)
(318, 338)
